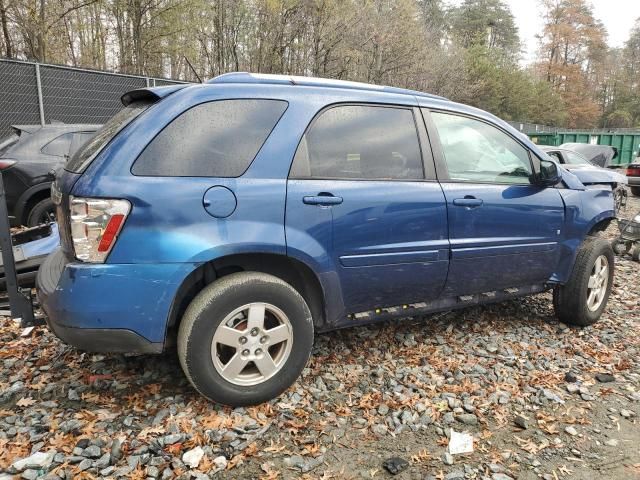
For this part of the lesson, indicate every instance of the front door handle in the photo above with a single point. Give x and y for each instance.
(323, 198)
(468, 201)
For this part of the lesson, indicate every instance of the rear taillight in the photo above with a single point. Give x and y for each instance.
(95, 224)
(6, 163)
(633, 171)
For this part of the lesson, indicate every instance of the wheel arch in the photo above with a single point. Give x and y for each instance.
(29, 198)
(600, 223)
(296, 273)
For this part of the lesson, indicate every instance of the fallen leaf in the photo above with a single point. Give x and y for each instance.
(25, 402)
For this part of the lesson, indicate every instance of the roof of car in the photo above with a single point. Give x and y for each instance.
(263, 78)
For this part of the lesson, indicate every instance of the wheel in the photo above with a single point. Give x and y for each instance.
(619, 246)
(584, 297)
(619, 199)
(245, 338)
(635, 253)
(635, 191)
(43, 212)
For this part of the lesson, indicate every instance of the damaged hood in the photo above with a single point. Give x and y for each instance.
(595, 175)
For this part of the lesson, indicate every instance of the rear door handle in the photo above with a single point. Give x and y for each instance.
(469, 202)
(322, 199)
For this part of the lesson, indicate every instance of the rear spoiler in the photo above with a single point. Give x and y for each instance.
(25, 128)
(152, 94)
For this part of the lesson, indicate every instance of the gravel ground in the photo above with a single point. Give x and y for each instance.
(540, 399)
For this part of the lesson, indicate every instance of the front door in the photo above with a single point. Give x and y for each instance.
(359, 203)
(504, 230)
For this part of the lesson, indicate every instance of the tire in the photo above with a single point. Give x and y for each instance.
(635, 191)
(635, 252)
(571, 301)
(619, 246)
(229, 301)
(42, 212)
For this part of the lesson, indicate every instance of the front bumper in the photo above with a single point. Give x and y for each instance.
(120, 308)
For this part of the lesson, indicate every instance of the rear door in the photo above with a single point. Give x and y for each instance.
(503, 228)
(359, 202)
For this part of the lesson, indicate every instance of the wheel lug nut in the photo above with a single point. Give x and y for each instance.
(246, 353)
(254, 331)
(258, 351)
(243, 340)
(264, 339)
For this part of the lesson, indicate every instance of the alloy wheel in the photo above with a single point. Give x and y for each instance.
(252, 344)
(598, 282)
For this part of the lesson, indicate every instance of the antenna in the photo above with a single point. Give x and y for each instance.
(192, 69)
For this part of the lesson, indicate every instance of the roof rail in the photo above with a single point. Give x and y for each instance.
(265, 78)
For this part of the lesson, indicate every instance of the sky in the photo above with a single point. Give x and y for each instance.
(618, 17)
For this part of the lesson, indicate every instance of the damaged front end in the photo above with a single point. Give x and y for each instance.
(599, 179)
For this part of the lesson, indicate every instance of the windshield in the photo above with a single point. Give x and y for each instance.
(85, 154)
(575, 159)
(7, 143)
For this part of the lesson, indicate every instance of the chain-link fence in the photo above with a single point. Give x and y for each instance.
(32, 93)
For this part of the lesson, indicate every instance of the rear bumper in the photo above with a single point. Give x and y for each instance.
(107, 307)
(634, 181)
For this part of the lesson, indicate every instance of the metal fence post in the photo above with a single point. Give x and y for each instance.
(38, 93)
(39, 85)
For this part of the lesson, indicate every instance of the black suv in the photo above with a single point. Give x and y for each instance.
(27, 159)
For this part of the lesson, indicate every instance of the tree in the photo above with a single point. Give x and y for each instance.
(489, 23)
(572, 49)
(468, 52)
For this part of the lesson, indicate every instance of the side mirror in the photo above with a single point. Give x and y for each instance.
(549, 174)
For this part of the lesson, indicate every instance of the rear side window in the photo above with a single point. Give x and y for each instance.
(360, 142)
(214, 139)
(83, 157)
(59, 146)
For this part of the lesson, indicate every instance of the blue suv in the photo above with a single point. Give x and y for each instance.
(240, 216)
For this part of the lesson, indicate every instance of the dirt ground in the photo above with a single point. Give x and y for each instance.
(531, 391)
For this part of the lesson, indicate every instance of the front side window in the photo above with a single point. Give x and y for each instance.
(59, 146)
(475, 151)
(214, 139)
(360, 142)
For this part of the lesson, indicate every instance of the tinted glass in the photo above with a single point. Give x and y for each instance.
(360, 142)
(215, 139)
(575, 159)
(475, 151)
(59, 146)
(82, 158)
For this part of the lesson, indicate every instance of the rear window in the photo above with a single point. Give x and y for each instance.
(82, 158)
(59, 146)
(214, 139)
